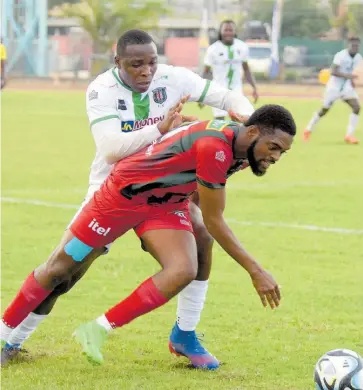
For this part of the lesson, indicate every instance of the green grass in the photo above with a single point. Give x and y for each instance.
(46, 153)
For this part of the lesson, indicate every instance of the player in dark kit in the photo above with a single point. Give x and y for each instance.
(148, 192)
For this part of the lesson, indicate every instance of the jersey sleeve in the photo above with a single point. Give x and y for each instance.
(245, 52)
(100, 103)
(208, 59)
(337, 60)
(213, 159)
(191, 84)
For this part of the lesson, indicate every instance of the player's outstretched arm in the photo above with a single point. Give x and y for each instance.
(210, 93)
(335, 71)
(212, 204)
(104, 119)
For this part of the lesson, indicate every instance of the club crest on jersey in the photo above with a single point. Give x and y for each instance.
(159, 95)
(93, 95)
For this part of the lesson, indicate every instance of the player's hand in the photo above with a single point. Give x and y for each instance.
(173, 117)
(354, 76)
(183, 119)
(255, 95)
(237, 117)
(267, 288)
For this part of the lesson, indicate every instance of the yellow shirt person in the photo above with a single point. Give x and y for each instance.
(3, 58)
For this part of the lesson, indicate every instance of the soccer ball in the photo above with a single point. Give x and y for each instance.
(340, 369)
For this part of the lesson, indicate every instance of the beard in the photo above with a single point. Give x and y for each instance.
(254, 164)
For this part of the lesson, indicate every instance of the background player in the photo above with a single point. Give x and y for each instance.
(134, 96)
(341, 86)
(149, 192)
(226, 61)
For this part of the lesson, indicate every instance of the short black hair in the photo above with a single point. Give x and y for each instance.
(227, 21)
(351, 39)
(132, 37)
(272, 116)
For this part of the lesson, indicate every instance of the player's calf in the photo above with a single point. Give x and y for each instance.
(314, 120)
(353, 121)
(64, 261)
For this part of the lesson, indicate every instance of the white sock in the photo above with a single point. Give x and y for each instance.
(5, 331)
(103, 321)
(353, 121)
(190, 304)
(23, 331)
(314, 120)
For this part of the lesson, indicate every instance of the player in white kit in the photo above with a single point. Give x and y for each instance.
(226, 61)
(126, 106)
(341, 86)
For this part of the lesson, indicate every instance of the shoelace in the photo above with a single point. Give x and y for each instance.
(196, 338)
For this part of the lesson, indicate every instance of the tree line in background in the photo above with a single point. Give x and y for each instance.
(105, 20)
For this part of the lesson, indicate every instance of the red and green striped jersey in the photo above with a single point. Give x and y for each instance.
(170, 168)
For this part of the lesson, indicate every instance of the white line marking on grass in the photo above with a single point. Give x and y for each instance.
(307, 184)
(297, 226)
(236, 185)
(36, 202)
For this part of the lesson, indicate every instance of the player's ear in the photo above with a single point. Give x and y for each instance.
(117, 61)
(253, 132)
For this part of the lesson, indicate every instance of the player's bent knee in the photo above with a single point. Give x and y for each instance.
(356, 110)
(64, 262)
(185, 274)
(203, 238)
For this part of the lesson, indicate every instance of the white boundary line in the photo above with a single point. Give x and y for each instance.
(36, 202)
(232, 186)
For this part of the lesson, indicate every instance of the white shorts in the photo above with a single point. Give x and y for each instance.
(91, 190)
(217, 112)
(333, 94)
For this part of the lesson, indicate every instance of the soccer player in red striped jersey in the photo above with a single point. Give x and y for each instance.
(148, 192)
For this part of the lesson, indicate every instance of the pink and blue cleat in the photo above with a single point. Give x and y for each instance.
(187, 344)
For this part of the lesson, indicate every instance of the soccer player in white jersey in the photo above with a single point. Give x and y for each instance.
(126, 106)
(341, 86)
(226, 61)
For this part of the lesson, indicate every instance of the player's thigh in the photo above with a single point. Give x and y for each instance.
(353, 102)
(169, 238)
(218, 113)
(88, 235)
(330, 97)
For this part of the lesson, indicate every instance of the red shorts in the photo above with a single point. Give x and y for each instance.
(101, 221)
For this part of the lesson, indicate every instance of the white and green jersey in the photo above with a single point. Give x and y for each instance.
(115, 112)
(347, 64)
(226, 62)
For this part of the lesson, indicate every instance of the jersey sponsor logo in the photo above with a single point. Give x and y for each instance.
(159, 95)
(220, 156)
(93, 95)
(94, 225)
(127, 126)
